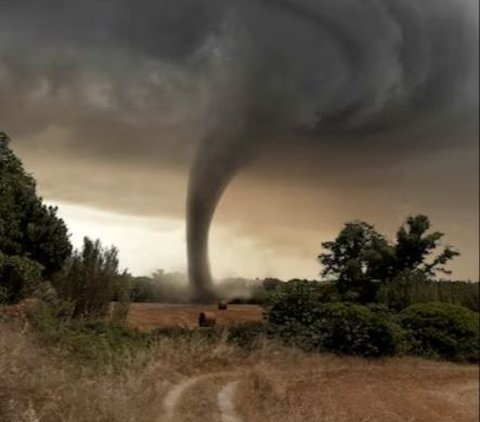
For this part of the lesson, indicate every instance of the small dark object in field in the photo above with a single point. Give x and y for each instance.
(222, 306)
(206, 319)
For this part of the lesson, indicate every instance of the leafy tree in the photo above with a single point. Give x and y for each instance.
(360, 258)
(28, 228)
(415, 244)
(91, 280)
(357, 256)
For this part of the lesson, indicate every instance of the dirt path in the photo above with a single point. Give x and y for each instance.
(207, 397)
(173, 396)
(226, 403)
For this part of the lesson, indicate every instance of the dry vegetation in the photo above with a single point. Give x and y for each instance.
(276, 384)
(298, 387)
(145, 316)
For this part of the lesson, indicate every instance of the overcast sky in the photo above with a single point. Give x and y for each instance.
(106, 101)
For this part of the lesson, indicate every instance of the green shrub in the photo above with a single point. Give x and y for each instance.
(297, 302)
(103, 344)
(299, 313)
(51, 318)
(247, 335)
(442, 330)
(91, 280)
(101, 341)
(19, 276)
(357, 330)
(97, 343)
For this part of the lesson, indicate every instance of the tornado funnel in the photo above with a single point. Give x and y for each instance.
(218, 158)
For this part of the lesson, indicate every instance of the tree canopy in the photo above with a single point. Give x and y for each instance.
(360, 258)
(29, 229)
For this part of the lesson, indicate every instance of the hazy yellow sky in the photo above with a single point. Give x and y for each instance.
(149, 243)
(266, 224)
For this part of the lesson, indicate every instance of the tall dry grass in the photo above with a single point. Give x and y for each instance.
(43, 385)
(276, 384)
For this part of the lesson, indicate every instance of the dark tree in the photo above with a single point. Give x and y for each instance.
(356, 258)
(360, 258)
(34, 242)
(414, 245)
(28, 228)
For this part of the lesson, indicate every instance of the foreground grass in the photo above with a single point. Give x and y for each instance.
(298, 387)
(276, 384)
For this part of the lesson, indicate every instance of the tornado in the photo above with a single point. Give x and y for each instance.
(321, 72)
(212, 170)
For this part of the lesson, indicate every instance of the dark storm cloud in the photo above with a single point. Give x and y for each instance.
(322, 66)
(149, 81)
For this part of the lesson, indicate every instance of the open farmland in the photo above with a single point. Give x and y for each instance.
(146, 316)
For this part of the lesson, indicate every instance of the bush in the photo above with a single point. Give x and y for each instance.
(248, 335)
(442, 330)
(300, 314)
(344, 328)
(50, 318)
(358, 330)
(19, 276)
(296, 302)
(91, 280)
(100, 344)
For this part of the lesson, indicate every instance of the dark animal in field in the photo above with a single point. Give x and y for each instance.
(222, 306)
(206, 319)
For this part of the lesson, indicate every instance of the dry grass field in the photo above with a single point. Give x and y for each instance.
(184, 380)
(298, 388)
(145, 316)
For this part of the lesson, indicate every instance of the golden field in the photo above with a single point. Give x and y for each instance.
(145, 316)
